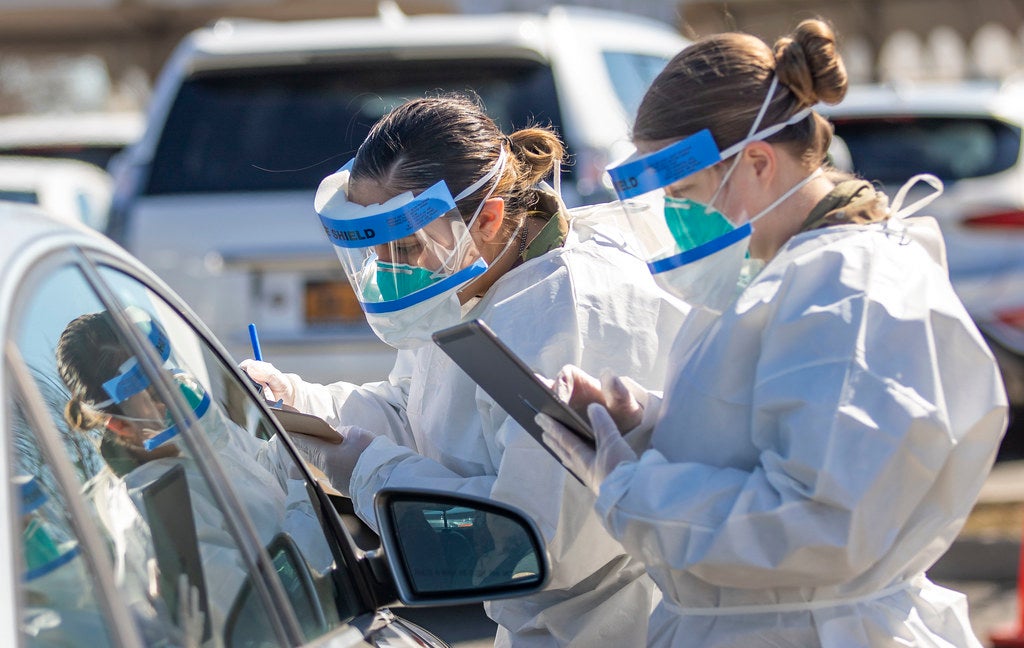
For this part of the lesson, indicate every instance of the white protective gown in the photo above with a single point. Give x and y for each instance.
(817, 452)
(589, 303)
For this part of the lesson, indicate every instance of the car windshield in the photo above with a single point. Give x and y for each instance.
(285, 129)
(892, 149)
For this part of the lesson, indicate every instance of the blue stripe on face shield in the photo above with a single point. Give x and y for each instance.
(665, 166)
(51, 566)
(465, 275)
(131, 379)
(169, 433)
(701, 251)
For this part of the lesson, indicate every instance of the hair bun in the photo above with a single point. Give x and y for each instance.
(537, 149)
(808, 63)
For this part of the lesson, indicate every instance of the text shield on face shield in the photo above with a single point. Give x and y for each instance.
(653, 217)
(403, 251)
(663, 167)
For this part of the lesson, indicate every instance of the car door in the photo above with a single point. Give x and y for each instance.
(207, 529)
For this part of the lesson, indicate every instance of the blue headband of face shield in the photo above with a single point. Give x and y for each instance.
(384, 285)
(641, 174)
(391, 224)
(130, 378)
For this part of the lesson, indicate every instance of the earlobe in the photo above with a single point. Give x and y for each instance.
(762, 158)
(492, 215)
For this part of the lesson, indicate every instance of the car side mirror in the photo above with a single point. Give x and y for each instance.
(247, 623)
(443, 548)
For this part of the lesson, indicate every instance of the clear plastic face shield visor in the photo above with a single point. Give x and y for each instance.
(130, 389)
(672, 231)
(406, 250)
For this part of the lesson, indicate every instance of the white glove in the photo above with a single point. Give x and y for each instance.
(190, 619)
(579, 389)
(276, 385)
(591, 467)
(336, 460)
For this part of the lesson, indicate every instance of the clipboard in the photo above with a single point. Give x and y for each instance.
(508, 380)
(296, 422)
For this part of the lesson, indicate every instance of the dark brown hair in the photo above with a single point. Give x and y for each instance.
(449, 137)
(720, 82)
(89, 353)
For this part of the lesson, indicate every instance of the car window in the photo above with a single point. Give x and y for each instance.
(286, 129)
(153, 449)
(892, 149)
(283, 505)
(631, 74)
(57, 605)
(12, 195)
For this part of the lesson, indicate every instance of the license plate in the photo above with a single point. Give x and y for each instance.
(331, 302)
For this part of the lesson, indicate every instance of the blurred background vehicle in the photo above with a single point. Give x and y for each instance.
(236, 568)
(94, 137)
(969, 135)
(248, 116)
(65, 188)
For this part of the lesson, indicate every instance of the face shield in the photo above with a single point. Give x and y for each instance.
(131, 389)
(403, 251)
(46, 546)
(692, 249)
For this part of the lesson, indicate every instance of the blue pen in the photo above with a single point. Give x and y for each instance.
(257, 354)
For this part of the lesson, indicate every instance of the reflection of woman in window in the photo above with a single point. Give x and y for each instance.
(139, 442)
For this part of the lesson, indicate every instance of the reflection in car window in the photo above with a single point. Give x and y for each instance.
(285, 129)
(57, 604)
(279, 500)
(631, 74)
(892, 149)
(178, 565)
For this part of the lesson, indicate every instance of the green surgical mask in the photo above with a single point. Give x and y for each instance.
(692, 224)
(396, 280)
(40, 549)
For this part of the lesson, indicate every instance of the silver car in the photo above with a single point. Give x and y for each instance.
(248, 116)
(197, 526)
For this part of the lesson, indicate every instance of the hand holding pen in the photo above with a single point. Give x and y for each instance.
(267, 379)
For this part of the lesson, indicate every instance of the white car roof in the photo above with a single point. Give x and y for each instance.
(457, 32)
(71, 129)
(27, 172)
(69, 189)
(933, 99)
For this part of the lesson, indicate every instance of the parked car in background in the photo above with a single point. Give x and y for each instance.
(211, 532)
(969, 135)
(248, 116)
(68, 189)
(93, 137)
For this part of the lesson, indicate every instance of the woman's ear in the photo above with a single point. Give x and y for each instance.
(117, 426)
(763, 161)
(492, 215)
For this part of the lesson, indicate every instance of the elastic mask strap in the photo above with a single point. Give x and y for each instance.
(498, 167)
(496, 170)
(897, 210)
(729, 152)
(778, 201)
(556, 180)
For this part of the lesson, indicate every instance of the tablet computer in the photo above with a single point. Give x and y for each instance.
(507, 379)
